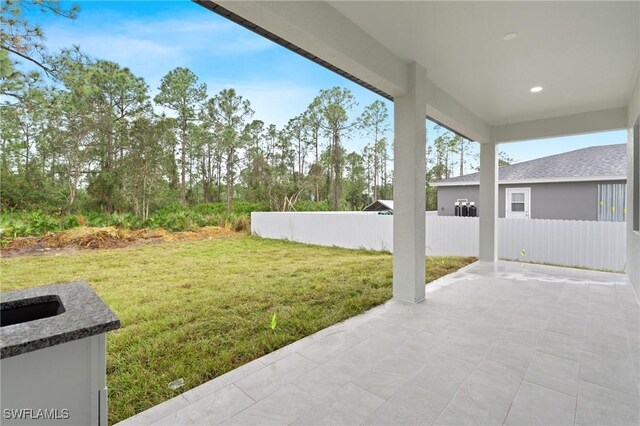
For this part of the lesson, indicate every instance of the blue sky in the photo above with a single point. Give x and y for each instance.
(153, 37)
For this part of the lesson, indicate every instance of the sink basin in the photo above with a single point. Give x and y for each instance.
(25, 310)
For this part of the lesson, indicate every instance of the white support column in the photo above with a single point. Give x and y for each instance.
(488, 202)
(409, 171)
(633, 189)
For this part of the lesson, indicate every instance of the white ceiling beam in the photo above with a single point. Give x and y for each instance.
(633, 110)
(448, 111)
(575, 124)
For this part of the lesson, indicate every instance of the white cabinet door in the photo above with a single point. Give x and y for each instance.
(518, 202)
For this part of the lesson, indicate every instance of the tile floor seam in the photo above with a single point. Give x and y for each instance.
(584, 336)
(266, 396)
(307, 392)
(173, 412)
(366, 390)
(318, 364)
(552, 390)
(575, 415)
(384, 400)
(454, 393)
(604, 355)
(318, 400)
(537, 348)
(219, 377)
(451, 399)
(521, 381)
(306, 411)
(248, 396)
(245, 408)
(626, 336)
(476, 367)
(465, 360)
(276, 388)
(511, 405)
(607, 387)
(372, 414)
(555, 390)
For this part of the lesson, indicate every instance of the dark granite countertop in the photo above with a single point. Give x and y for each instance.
(85, 315)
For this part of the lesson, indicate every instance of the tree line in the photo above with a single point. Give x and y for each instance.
(96, 138)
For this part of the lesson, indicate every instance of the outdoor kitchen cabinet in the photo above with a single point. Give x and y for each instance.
(53, 364)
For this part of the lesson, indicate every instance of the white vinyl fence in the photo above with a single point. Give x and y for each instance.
(596, 245)
(367, 230)
(588, 244)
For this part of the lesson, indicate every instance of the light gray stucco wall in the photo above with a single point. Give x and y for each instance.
(563, 200)
(447, 195)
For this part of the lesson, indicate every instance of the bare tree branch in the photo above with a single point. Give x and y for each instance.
(46, 69)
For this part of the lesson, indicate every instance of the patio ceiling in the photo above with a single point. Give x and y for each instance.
(583, 54)
(578, 52)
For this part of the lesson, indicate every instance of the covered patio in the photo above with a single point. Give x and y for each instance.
(494, 72)
(498, 342)
(493, 343)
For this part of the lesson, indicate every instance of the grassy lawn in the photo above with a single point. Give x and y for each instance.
(199, 309)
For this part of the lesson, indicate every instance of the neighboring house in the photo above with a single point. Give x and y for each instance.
(379, 206)
(585, 184)
(386, 206)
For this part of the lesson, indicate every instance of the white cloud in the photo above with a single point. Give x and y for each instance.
(153, 47)
(198, 32)
(114, 47)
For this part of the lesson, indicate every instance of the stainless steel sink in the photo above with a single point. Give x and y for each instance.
(25, 310)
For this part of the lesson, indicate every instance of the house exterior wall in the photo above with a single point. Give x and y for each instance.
(447, 195)
(564, 200)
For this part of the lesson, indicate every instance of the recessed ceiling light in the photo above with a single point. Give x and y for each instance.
(536, 89)
(509, 36)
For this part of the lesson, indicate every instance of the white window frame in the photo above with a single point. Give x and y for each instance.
(527, 202)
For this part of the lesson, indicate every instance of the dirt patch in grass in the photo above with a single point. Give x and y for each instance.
(84, 237)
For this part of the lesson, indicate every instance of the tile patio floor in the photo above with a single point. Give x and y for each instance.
(502, 343)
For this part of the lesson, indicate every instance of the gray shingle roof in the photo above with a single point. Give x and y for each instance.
(595, 161)
(379, 205)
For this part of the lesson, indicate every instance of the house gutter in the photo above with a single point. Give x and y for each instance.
(526, 181)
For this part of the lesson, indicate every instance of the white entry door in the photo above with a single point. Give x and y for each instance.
(518, 202)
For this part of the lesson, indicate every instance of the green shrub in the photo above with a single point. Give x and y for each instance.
(20, 229)
(69, 221)
(244, 207)
(210, 208)
(41, 223)
(17, 223)
(312, 206)
(97, 219)
(241, 223)
(177, 221)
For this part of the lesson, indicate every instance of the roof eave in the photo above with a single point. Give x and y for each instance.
(542, 180)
